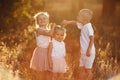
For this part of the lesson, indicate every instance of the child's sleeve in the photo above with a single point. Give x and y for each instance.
(79, 25)
(90, 31)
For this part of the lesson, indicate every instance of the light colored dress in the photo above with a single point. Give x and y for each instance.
(58, 57)
(39, 60)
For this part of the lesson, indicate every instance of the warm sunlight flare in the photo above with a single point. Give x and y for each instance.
(21, 41)
(6, 74)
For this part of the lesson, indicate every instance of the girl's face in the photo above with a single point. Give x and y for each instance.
(42, 20)
(59, 35)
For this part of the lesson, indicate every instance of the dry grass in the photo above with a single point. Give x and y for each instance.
(17, 58)
(7, 74)
(16, 50)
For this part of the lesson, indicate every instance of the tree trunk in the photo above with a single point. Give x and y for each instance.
(76, 5)
(109, 7)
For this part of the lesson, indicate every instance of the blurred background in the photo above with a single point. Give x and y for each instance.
(17, 39)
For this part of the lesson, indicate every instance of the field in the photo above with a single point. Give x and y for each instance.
(16, 48)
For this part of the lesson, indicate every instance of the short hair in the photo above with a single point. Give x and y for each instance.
(87, 13)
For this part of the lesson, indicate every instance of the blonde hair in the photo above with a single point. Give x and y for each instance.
(36, 16)
(87, 13)
(41, 13)
(59, 28)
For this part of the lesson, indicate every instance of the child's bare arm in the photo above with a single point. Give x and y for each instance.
(65, 57)
(66, 22)
(90, 45)
(46, 32)
(49, 55)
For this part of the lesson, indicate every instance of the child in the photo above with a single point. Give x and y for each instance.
(57, 53)
(39, 59)
(87, 47)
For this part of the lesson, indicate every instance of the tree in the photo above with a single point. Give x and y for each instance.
(18, 13)
(77, 5)
(109, 7)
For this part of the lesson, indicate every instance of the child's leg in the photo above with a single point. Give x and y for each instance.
(59, 76)
(82, 74)
(54, 76)
(89, 74)
(48, 75)
(88, 65)
(40, 76)
(37, 77)
(43, 75)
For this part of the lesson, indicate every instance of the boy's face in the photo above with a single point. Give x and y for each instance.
(59, 35)
(80, 18)
(42, 20)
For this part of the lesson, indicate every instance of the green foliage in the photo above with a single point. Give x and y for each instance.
(18, 13)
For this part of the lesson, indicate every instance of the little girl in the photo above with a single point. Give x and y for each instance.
(57, 53)
(39, 60)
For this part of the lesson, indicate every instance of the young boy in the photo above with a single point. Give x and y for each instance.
(87, 47)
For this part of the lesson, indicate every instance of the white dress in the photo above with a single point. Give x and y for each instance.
(58, 56)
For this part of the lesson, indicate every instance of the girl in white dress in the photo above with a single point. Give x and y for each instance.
(57, 53)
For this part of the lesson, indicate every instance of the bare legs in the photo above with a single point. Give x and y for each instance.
(89, 74)
(82, 75)
(47, 75)
(56, 76)
(85, 74)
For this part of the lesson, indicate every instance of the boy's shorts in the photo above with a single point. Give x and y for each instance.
(87, 62)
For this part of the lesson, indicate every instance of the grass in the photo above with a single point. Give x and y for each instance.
(17, 57)
(16, 50)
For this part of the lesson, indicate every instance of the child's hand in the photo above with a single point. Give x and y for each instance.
(52, 25)
(88, 53)
(64, 23)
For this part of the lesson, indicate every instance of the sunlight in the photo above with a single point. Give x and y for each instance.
(117, 77)
(6, 74)
(17, 37)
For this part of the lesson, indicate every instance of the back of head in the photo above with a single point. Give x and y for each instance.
(87, 13)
